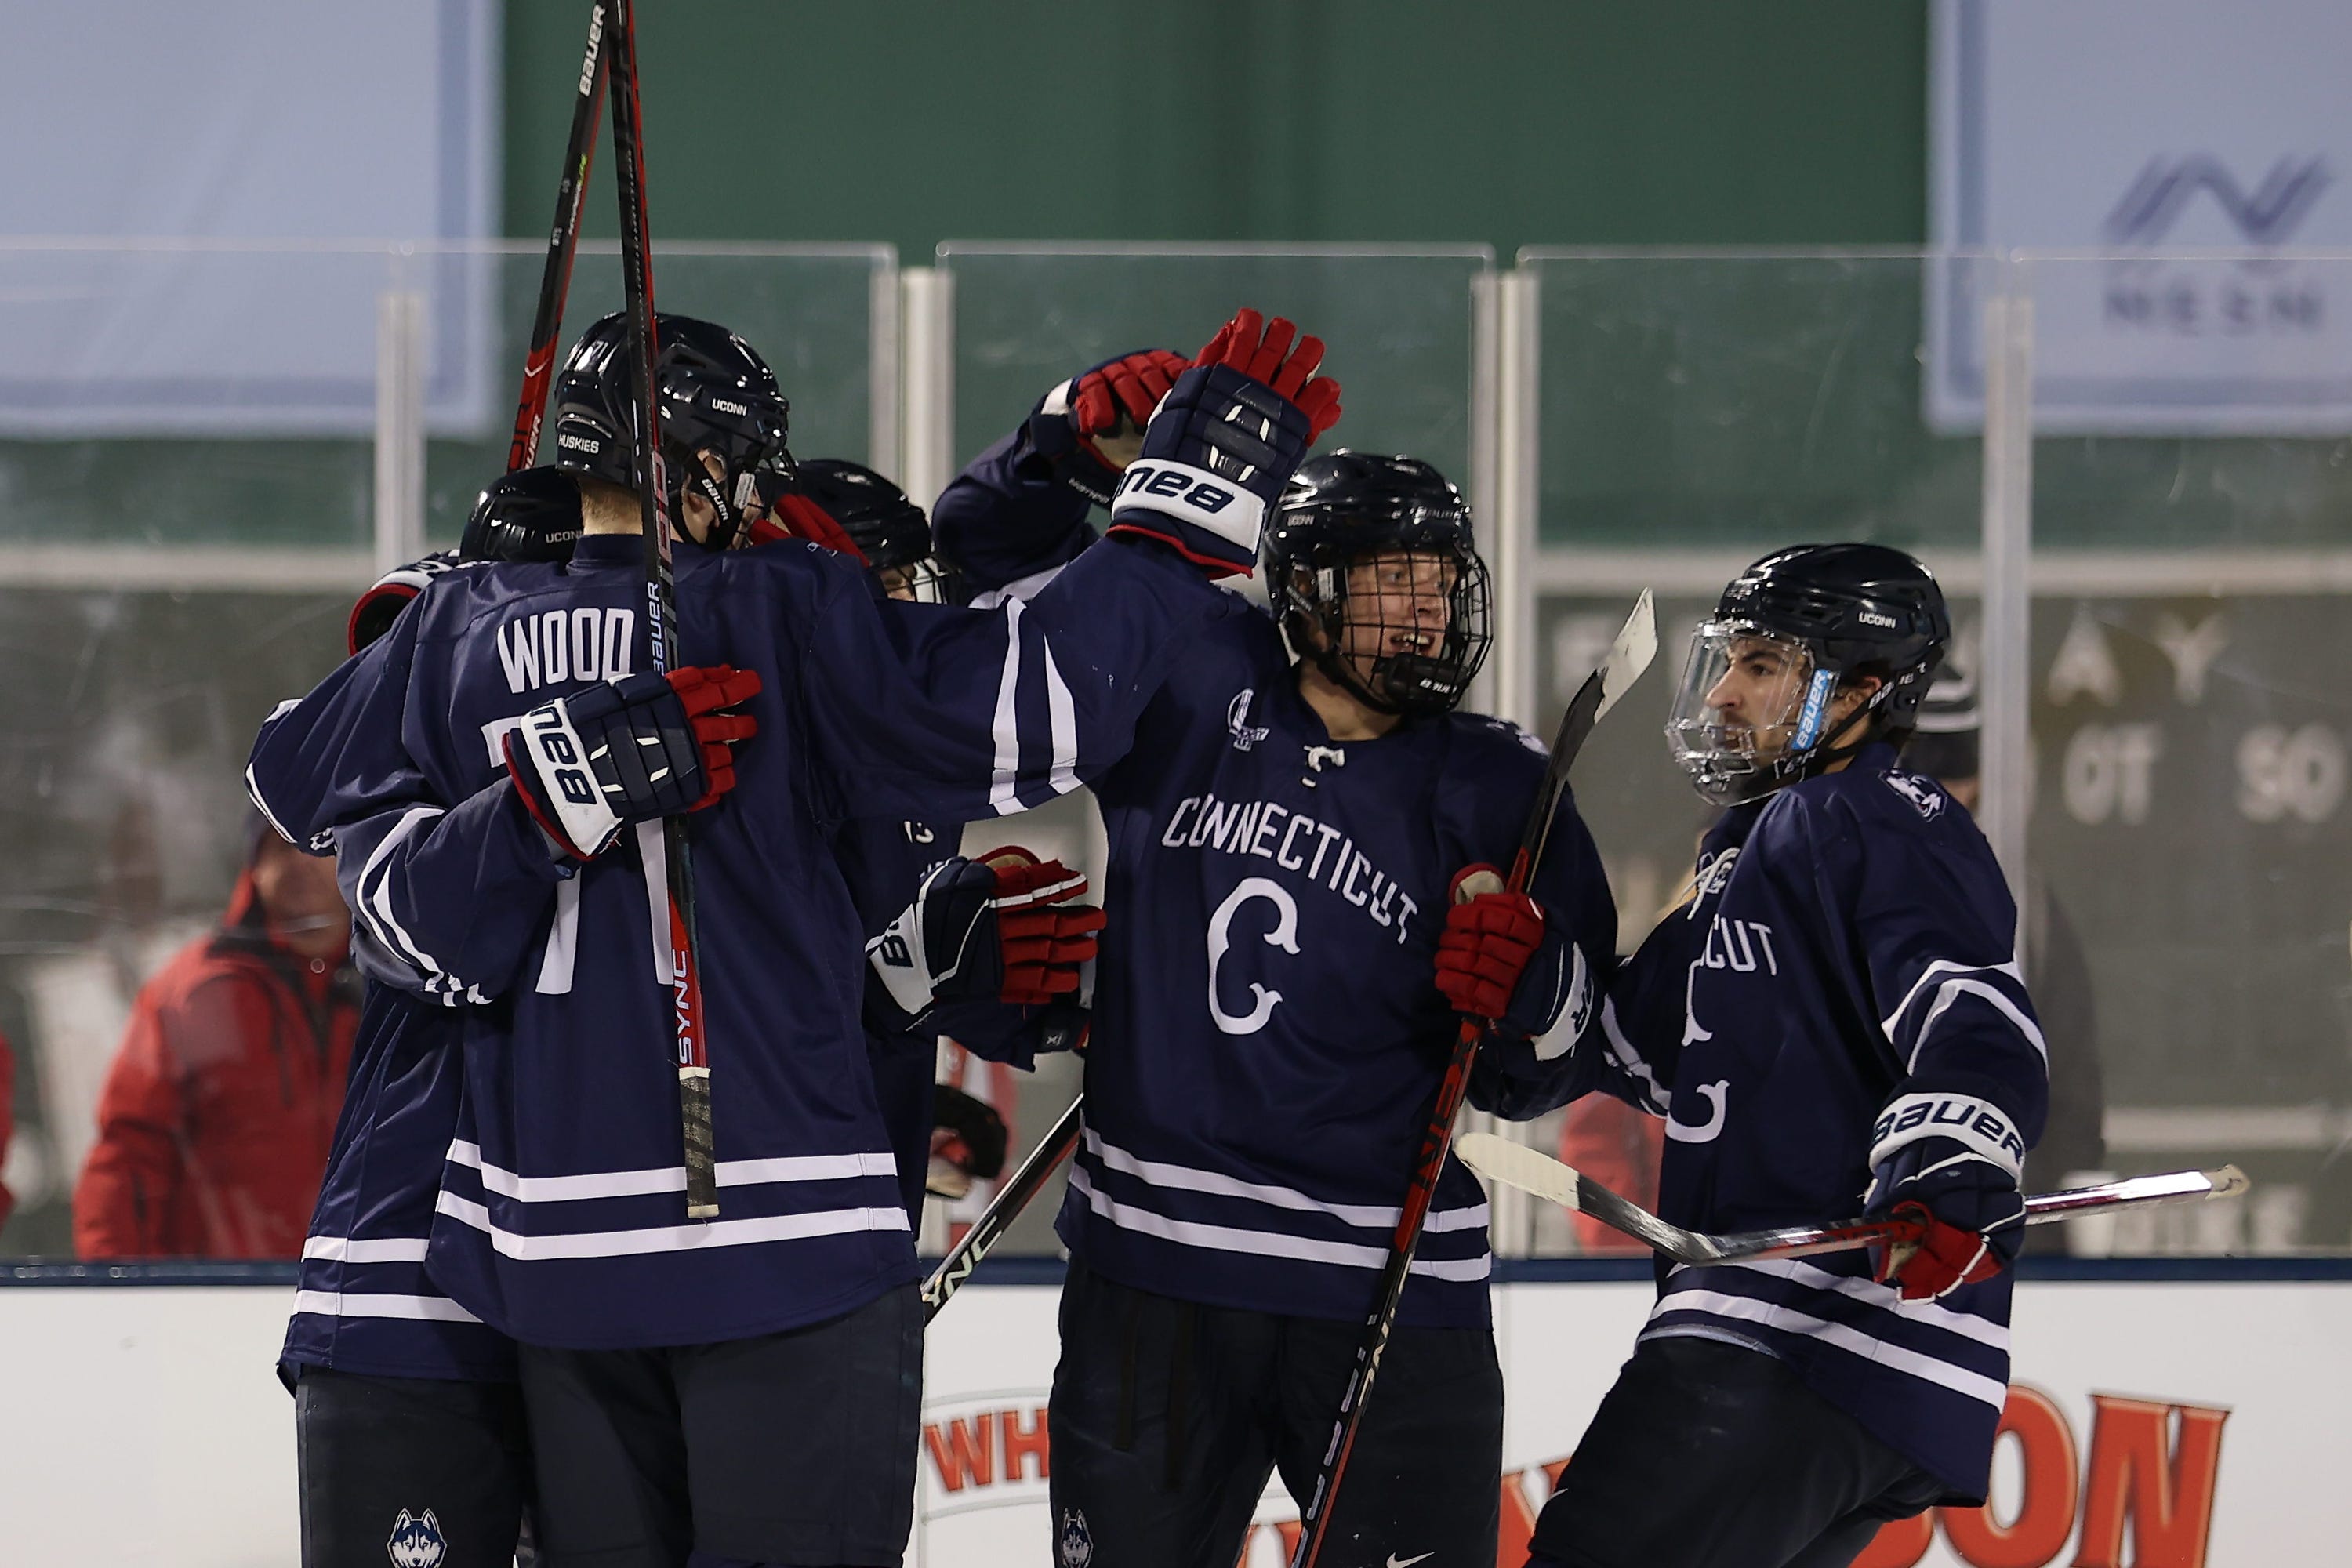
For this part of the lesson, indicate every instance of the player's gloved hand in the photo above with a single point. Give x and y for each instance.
(374, 611)
(1001, 927)
(1500, 960)
(788, 513)
(532, 514)
(1224, 441)
(1068, 427)
(968, 1142)
(1950, 1161)
(632, 750)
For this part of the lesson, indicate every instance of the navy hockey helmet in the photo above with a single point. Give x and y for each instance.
(717, 396)
(1755, 709)
(1387, 646)
(532, 514)
(881, 521)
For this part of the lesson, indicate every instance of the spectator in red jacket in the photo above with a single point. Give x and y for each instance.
(214, 1121)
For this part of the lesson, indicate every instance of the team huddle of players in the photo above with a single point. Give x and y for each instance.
(511, 1335)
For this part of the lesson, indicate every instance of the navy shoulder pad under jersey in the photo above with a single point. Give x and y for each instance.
(562, 1216)
(1849, 944)
(1268, 1034)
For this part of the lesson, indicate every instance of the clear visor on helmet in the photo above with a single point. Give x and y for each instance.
(1748, 700)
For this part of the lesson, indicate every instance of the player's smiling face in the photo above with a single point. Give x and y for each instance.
(1399, 602)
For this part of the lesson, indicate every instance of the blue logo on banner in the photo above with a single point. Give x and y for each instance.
(2267, 215)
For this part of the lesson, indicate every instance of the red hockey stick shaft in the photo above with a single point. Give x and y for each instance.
(562, 245)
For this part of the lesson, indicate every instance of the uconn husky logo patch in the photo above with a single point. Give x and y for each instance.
(416, 1541)
(1245, 733)
(1925, 797)
(1075, 1543)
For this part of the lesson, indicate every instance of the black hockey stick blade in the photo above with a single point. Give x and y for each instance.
(684, 979)
(563, 246)
(1532, 1171)
(1636, 644)
(1629, 656)
(1025, 1183)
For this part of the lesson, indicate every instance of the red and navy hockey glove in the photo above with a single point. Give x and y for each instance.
(1499, 959)
(633, 750)
(1067, 426)
(374, 612)
(1001, 927)
(968, 1142)
(1951, 1160)
(790, 514)
(1224, 442)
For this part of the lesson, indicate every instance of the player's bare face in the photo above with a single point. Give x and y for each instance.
(1399, 602)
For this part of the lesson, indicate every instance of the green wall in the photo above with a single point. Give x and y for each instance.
(1515, 121)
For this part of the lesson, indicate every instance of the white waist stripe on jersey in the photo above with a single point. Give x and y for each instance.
(357, 1304)
(699, 1237)
(1886, 1297)
(507, 1183)
(1853, 1340)
(365, 1250)
(1192, 1178)
(1268, 1243)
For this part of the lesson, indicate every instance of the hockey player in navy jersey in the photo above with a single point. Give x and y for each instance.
(1836, 1018)
(1273, 1012)
(493, 776)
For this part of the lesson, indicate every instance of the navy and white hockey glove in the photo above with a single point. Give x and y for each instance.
(374, 611)
(1224, 442)
(1069, 424)
(1949, 1160)
(632, 750)
(1500, 960)
(1001, 928)
(968, 1142)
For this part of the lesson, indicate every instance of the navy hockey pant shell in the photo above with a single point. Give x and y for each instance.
(1168, 1416)
(792, 1448)
(451, 1456)
(1710, 1455)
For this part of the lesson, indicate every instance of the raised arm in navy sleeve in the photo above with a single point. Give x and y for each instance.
(1004, 520)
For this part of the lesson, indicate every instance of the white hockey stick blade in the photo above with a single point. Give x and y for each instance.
(1630, 655)
(1533, 1170)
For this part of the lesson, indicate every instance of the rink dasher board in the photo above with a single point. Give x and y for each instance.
(152, 1430)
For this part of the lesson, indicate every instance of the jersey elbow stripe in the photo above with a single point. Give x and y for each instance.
(1005, 730)
(1951, 992)
(374, 905)
(1656, 1098)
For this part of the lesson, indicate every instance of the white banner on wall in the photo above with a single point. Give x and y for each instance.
(256, 124)
(2119, 132)
(2195, 1426)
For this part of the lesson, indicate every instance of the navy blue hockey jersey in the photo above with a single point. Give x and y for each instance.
(561, 1214)
(1268, 1035)
(1850, 938)
(364, 1302)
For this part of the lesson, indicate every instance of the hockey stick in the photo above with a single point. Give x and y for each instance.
(1636, 644)
(562, 245)
(1533, 1170)
(685, 978)
(1003, 1210)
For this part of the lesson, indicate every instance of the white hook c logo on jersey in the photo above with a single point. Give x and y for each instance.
(1285, 935)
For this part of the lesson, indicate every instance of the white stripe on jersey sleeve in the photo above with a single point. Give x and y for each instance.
(1951, 991)
(1004, 779)
(374, 889)
(425, 1309)
(1264, 1243)
(1657, 1098)
(1062, 718)
(1787, 1320)
(563, 942)
(1191, 1178)
(699, 1237)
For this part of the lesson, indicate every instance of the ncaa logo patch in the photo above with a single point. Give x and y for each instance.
(1075, 1544)
(416, 1541)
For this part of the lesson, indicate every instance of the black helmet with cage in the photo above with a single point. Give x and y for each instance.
(1801, 626)
(885, 524)
(1341, 510)
(717, 396)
